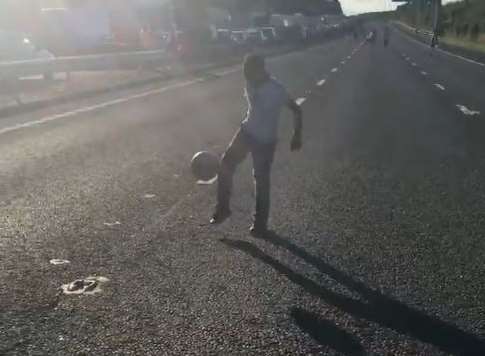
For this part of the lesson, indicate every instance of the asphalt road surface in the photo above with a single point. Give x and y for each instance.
(378, 222)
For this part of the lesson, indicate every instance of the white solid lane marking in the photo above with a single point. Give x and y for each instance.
(334, 70)
(439, 86)
(228, 71)
(467, 111)
(104, 105)
(321, 82)
(300, 101)
(424, 73)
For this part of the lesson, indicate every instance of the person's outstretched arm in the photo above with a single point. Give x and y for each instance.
(296, 141)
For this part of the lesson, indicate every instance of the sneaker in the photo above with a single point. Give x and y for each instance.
(220, 216)
(258, 231)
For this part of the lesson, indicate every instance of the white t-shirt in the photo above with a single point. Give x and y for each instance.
(264, 109)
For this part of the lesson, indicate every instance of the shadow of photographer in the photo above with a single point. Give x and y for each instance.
(378, 308)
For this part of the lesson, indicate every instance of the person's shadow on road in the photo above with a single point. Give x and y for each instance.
(326, 333)
(378, 308)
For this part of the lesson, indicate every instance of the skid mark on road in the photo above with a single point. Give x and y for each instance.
(467, 111)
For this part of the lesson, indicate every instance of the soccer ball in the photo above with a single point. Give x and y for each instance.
(204, 165)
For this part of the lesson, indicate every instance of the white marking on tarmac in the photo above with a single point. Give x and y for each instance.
(424, 73)
(95, 107)
(349, 57)
(90, 285)
(343, 62)
(300, 101)
(321, 82)
(439, 86)
(149, 196)
(57, 261)
(467, 111)
(228, 71)
(334, 70)
(414, 64)
(116, 223)
(207, 182)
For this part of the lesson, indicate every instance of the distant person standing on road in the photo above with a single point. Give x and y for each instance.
(434, 40)
(387, 35)
(257, 135)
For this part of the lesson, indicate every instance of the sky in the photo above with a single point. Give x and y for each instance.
(352, 7)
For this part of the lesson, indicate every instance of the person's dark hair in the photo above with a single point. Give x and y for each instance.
(254, 68)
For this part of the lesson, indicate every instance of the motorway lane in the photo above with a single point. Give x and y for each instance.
(464, 81)
(385, 197)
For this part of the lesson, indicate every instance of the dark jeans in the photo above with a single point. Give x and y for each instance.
(262, 155)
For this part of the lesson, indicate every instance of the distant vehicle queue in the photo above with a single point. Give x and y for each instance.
(87, 30)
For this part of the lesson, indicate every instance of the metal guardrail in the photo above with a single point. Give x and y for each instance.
(414, 29)
(84, 63)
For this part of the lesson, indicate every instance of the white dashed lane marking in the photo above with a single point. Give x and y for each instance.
(424, 73)
(442, 51)
(57, 261)
(414, 64)
(334, 70)
(439, 86)
(116, 223)
(321, 82)
(300, 101)
(467, 111)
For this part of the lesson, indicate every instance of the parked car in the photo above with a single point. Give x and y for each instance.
(15, 46)
(254, 36)
(223, 36)
(239, 37)
(269, 34)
